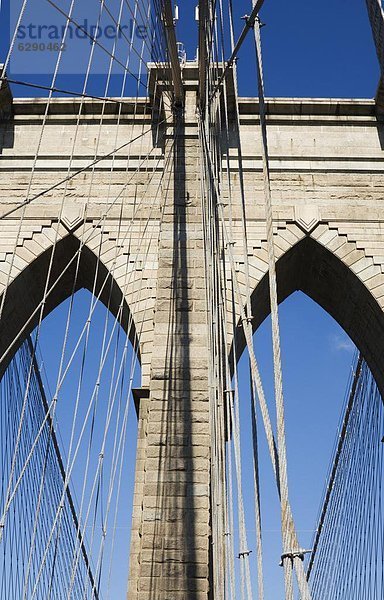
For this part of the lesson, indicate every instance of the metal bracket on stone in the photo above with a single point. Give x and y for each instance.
(6, 100)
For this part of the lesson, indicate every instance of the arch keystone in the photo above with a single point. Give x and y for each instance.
(72, 217)
(307, 217)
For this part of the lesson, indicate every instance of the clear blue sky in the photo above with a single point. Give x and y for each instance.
(311, 49)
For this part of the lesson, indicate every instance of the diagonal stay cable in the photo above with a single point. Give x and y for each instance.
(96, 42)
(37, 152)
(88, 166)
(250, 21)
(122, 33)
(73, 258)
(102, 453)
(69, 471)
(11, 496)
(57, 90)
(62, 200)
(85, 241)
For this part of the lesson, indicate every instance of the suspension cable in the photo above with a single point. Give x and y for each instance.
(289, 553)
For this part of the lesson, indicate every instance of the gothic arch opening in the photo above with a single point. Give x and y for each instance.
(315, 375)
(68, 428)
(311, 268)
(24, 295)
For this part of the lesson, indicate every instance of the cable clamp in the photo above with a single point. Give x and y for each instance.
(247, 319)
(244, 554)
(251, 22)
(293, 554)
(229, 391)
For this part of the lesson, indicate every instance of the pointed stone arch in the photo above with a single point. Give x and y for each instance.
(343, 279)
(73, 267)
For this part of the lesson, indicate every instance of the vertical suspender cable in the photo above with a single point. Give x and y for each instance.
(281, 445)
(260, 578)
(289, 554)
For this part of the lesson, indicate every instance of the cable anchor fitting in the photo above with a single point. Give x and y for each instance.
(244, 554)
(246, 320)
(292, 555)
(251, 22)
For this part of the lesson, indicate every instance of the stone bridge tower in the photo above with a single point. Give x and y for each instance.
(327, 170)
